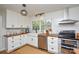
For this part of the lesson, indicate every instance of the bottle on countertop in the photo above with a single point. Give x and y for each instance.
(50, 31)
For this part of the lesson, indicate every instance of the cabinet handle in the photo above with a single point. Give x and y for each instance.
(52, 42)
(12, 25)
(21, 25)
(12, 46)
(52, 48)
(12, 41)
(31, 39)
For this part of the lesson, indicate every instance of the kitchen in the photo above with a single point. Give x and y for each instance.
(39, 28)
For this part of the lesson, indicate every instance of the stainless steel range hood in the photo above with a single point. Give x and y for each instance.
(66, 19)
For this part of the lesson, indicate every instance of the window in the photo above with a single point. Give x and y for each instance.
(41, 25)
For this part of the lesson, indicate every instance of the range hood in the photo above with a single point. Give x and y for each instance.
(66, 19)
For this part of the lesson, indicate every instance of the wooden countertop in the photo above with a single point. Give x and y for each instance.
(14, 34)
(51, 35)
(76, 51)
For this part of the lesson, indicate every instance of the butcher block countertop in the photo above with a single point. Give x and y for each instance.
(14, 34)
(76, 51)
(51, 35)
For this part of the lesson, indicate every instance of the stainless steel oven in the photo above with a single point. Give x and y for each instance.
(68, 41)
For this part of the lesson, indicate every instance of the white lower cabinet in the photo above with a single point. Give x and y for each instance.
(33, 40)
(23, 40)
(54, 45)
(10, 44)
(15, 42)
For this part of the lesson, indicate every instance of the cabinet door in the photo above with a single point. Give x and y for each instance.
(74, 13)
(26, 22)
(11, 19)
(25, 38)
(21, 21)
(35, 41)
(18, 20)
(22, 40)
(30, 40)
(8, 19)
(10, 43)
(16, 41)
(10, 47)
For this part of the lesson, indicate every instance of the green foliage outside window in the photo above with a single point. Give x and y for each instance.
(35, 25)
(41, 25)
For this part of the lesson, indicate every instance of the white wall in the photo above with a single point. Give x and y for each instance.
(59, 15)
(1, 31)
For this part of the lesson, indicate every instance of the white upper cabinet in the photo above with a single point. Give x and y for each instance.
(11, 19)
(74, 13)
(15, 20)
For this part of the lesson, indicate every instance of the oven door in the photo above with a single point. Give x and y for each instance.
(69, 43)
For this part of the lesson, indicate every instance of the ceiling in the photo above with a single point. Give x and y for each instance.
(37, 8)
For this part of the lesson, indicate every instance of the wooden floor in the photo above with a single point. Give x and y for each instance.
(28, 50)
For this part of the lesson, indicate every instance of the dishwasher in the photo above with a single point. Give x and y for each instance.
(42, 42)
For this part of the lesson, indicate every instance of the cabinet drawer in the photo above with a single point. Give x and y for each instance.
(11, 42)
(10, 38)
(11, 47)
(53, 49)
(53, 43)
(52, 46)
(52, 39)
